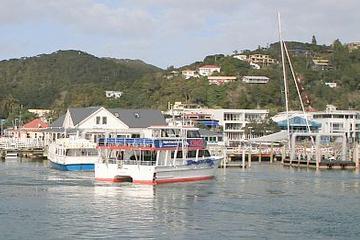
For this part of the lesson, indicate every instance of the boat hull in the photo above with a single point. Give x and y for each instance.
(73, 167)
(155, 174)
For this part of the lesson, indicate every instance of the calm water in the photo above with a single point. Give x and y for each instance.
(266, 202)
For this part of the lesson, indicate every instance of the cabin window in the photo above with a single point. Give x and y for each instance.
(104, 120)
(178, 155)
(98, 120)
(191, 154)
(149, 156)
(204, 153)
(193, 134)
(135, 135)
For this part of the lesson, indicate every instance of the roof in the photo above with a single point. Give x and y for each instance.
(139, 118)
(36, 124)
(58, 123)
(298, 122)
(256, 77)
(79, 114)
(209, 66)
(221, 77)
(271, 138)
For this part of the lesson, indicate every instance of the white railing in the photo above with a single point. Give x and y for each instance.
(18, 143)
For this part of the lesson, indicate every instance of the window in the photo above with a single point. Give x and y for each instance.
(104, 120)
(191, 154)
(193, 134)
(97, 120)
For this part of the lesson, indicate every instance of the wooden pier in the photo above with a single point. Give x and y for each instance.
(27, 148)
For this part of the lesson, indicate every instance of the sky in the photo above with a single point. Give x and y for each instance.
(168, 32)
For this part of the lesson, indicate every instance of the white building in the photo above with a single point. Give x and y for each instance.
(255, 66)
(41, 113)
(220, 80)
(331, 84)
(208, 70)
(339, 121)
(255, 79)
(187, 73)
(113, 94)
(233, 121)
(94, 122)
(241, 57)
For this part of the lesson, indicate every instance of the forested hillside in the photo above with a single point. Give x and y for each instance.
(75, 78)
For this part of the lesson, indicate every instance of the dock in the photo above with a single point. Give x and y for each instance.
(27, 148)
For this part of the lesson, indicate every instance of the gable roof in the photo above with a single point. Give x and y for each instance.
(36, 124)
(79, 114)
(139, 118)
(58, 123)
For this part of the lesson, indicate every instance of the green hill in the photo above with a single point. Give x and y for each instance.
(75, 78)
(65, 78)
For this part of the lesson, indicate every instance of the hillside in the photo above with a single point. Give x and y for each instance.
(75, 78)
(65, 78)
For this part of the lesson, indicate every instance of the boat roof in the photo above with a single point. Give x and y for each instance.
(75, 143)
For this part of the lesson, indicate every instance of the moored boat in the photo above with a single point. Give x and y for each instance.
(169, 155)
(73, 154)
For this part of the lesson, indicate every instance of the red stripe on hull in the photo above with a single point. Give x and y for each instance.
(111, 179)
(172, 180)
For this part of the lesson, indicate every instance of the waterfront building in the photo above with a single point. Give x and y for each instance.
(255, 79)
(208, 70)
(232, 121)
(339, 121)
(299, 124)
(220, 80)
(329, 121)
(31, 130)
(93, 123)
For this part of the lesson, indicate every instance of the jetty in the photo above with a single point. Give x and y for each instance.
(308, 150)
(16, 147)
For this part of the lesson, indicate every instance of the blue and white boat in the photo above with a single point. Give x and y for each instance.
(73, 154)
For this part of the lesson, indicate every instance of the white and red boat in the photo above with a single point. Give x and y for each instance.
(168, 155)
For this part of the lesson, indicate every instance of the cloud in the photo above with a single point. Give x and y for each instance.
(167, 32)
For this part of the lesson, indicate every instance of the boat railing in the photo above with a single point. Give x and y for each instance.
(129, 162)
(151, 143)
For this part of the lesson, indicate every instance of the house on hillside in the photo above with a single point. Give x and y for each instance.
(220, 80)
(208, 70)
(320, 64)
(188, 73)
(353, 46)
(95, 122)
(241, 57)
(262, 59)
(255, 79)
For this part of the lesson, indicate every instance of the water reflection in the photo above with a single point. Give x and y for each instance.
(264, 202)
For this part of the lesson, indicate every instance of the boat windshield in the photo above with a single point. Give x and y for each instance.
(81, 152)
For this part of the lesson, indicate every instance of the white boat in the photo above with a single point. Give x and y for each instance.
(11, 154)
(73, 154)
(169, 155)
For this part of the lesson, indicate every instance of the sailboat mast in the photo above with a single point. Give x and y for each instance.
(284, 77)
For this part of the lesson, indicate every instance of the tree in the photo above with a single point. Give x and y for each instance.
(313, 41)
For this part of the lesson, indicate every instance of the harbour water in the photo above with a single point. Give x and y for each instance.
(264, 202)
